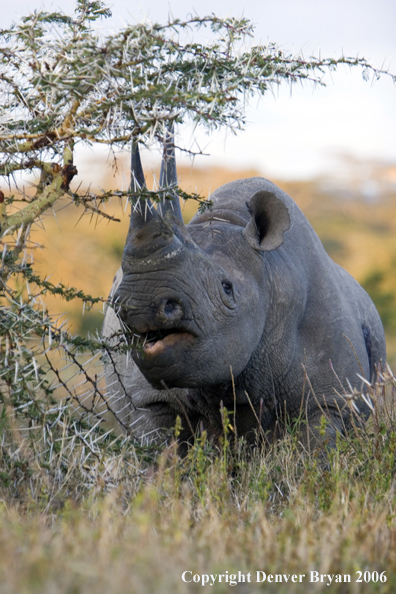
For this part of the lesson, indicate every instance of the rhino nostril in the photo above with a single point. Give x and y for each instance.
(170, 307)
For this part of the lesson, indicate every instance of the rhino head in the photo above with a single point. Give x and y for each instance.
(197, 293)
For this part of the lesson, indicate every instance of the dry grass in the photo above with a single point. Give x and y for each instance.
(101, 547)
(130, 520)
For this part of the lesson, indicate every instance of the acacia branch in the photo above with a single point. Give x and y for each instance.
(26, 216)
(46, 198)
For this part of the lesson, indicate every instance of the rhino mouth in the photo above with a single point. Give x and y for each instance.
(157, 341)
(155, 335)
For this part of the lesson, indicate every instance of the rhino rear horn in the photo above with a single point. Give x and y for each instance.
(168, 177)
(269, 220)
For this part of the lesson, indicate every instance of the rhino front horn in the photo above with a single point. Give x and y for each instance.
(168, 178)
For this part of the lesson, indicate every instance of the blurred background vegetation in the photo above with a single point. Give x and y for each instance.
(354, 215)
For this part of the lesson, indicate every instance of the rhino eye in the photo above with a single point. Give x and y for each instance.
(227, 287)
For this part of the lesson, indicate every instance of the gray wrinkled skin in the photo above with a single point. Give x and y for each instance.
(247, 287)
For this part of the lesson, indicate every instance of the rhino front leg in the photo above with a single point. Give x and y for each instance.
(320, 430)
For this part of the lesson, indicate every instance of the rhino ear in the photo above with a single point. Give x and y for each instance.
(270, 219)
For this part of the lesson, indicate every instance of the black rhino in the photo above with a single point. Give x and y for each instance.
(241, 308)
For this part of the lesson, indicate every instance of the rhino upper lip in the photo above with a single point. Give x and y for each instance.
(156, 335)
(159, 342)
(153, 336)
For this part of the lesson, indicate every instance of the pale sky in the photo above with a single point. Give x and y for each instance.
(303, 134)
